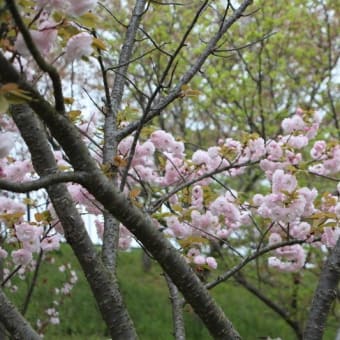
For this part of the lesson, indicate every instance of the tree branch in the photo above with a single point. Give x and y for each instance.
(14, 322)
(113, 104)
(104, 284)
(249, 258)
(324, 296)
(175, 93)
(177, 310)
(43, 182)
(270, 303)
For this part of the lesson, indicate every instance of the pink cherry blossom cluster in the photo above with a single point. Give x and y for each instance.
(201, 211)
(285, 151)
(179, 166)
(289, 207)
(326, 158)
(45, 36)
(31, 239)
(200, 260)
(286, 203)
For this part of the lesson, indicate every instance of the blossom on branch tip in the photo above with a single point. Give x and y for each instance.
(295, 123)
(162, 140)
(80, 45)
(330, 236)
(211, 262)
(292, 258)
(50, 243)
(199, 260)
(21, 257)
(27, 232)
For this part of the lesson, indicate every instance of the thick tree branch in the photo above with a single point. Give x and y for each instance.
(324, 296)
(103, 283)
(114, 102)
(14, 322)
(59, 177)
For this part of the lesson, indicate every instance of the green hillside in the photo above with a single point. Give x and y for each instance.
(148, 301)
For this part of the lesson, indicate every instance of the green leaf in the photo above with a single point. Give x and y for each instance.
(88, 20)
(3, 104)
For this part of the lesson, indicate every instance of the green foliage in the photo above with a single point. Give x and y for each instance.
(147, 299)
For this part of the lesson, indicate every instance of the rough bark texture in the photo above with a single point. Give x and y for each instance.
(177, 310)
(14, 322)
(324, 296)
(113, 103)
(103, 283)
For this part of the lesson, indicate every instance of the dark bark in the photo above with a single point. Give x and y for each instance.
(324, 296)
(103, 284)
(110, 242)
(14, 322)
(113, 104)
(177, 310)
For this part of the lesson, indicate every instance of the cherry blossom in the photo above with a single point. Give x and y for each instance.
(283, 182)
(22, 257)
(7, 140)
(295, 123)
(291, 258)
(44, 39)
(318, 149)
(3, 253)
(78, 46)
(50, 243)
(211, 262)
(199, 260)
(330, 236)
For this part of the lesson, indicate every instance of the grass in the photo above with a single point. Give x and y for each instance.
(148, 302)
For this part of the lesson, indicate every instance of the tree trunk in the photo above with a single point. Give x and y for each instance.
(102, 281)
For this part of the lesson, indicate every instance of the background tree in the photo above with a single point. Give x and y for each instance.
(87, 92)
